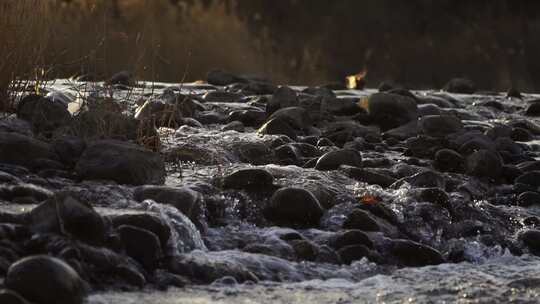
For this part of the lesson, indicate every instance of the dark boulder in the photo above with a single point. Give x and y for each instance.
(531, 239)
(533, 109)
(283, 97)
(391, 110)
(142, 245)
(11, 297)
(485, 164)
(278, 126)
(369, 176)
(18, 149)
(123, 78)
(122, 162)
(332, 160)
(249, 179)
(531, 178)
(413, 254)
(146, 221)
(294, 206)
(351, 253)
(188, 201)
(447, 160)
(528, 198)
(222, 78)
(44, 114)
(46, 280)
(361, 220)
(440, 125)
(460, 85)
(62, 214)
(350, 237)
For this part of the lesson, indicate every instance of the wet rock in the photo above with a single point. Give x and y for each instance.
(413, 254)
(237, 126)
(368, 176)
(98, 124)
(30, 190)
(188, 201)
(531, 178)
(436, 196)
(11, 297)
(426, 179)
(351, 253)
(350, 237)
(278, 126)
(320, 91)
(250, 118)
(122, 162)
(142, 245)
(13, 124)
(294, 206)
(283, 97)
(304, 250)
(146, 221)
(222, 78)
(423, 146)
(528, 198)
(222, 96)
(447, 160)
(62, 214)
(44, 114)
(520, 134)
(484, 164)
(529, 166)
(341, 106)
(69, 149)
(440, 125)
(460, 85)
(341, 132)
(531, 239)
(403, 132)
(533, 109)
(254, 153)
(361, 220)
(297, 117)
(211, 117)
(11, 145)
(332, 160)
(428, 109)
(249, 179)
(288, 154)
(513, 93)
(46, 280)
(124, 78)
(391, 110)
(166, 114)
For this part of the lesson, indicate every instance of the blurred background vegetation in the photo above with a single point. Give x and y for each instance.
(418, 43)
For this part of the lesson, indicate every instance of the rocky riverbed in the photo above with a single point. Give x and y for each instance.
(239, 190)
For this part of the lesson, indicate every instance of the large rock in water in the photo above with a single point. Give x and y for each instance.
(294, 206)
(44, 114)
(46, 280)
(188, 201)
(122, 162)
(333, 159)
(440, 125)
(391, 110)
(485, 164)
(18, 149)
(460, 85)
(62, 214)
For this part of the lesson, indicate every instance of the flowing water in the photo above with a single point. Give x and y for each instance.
(487, 274)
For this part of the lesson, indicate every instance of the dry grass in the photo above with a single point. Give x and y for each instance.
(24, 34)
